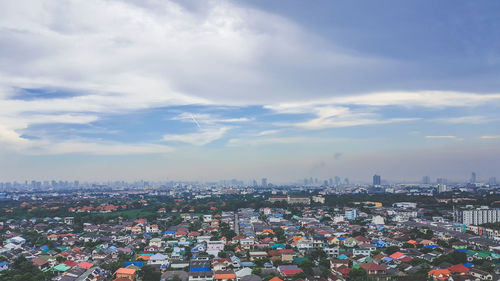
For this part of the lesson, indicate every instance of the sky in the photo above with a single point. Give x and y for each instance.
(207, 90)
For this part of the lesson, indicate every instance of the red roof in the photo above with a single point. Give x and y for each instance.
(458, 268)
(289, 272)
(405, 259)
(70, 263)
(344, 270)
(372, 266)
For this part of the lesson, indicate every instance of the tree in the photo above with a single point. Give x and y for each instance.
(148, 273)
(358, 274)
(307, 267)
(391, 250)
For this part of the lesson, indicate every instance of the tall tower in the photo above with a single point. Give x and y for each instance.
(376, 180)
(264, 182)
(473, 177)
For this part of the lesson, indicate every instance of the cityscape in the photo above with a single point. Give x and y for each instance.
(249, 140)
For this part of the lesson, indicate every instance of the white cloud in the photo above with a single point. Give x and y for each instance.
(267, 132)
(236, 142)
(103, 148)
(204, 136)
(476, 119)
(208, 119)
(441, 137)
(337, 117)
(490, 137)
(428, 99)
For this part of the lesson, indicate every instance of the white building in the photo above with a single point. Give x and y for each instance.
(478, 217)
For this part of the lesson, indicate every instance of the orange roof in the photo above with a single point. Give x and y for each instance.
(124, 270)
(458, 268)
(144, 257)
(396, 255)
(441, 274)
(275, 279)
(86, 265)
(225, 276)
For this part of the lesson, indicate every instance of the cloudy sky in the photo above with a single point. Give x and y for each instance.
(207, 90)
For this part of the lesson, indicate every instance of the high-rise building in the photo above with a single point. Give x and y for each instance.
(350, 214)
(264, 182)
(330, 181)
(426, 180)
(473, 177)
(478, 217)
(376, 180)
(443, 188)
(441, 181)
(493, 181)
(337, 180)
(346, 181)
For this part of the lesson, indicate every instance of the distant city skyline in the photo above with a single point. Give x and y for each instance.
(205, 90)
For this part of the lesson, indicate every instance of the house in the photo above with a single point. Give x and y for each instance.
(287, 255)
(197, 265)
(201, 276)
(214, 247)
(127, 273)
(289, 270)
(483, 275)
(331, 251)
(158, 259)
(350, 242)
(373, 268)
(257, 255)
(439, 274)
(235, 261)
(361, 252)
(247, 243)
(4, 266)
(458, 269)
(40, 263)
(225, 275)
(156, 242)
(198, 248)
(336, 263)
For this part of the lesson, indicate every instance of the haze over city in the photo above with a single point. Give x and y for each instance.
(210, 90)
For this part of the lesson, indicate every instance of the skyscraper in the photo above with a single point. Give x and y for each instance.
(376, 180)
(264, 182)
(426, 180)
(441, 181)
(337, 180)
(473, 177)
(493, 181)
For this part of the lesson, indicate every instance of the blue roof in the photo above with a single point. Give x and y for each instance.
(3, 263)
(468, 264)
(430, 246)
(199, 269)
(461, 250)
(342, 257)
(44, 247)
(136, 263)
